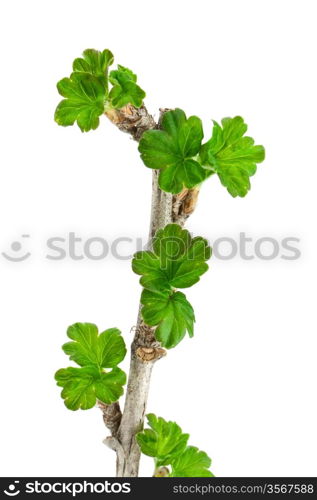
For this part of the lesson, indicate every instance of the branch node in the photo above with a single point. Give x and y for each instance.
(115, 445)
(150, 354)
(144, 336)
(132, 120)
(161, 472)
(184, 204)
(111, 415)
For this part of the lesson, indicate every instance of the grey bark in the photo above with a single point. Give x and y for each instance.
(145, 350)
(141, 369)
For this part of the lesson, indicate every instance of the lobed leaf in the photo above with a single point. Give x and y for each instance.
(125, 89)
(92, 352)
(167, 444)
(171, 313)
(232, 155)
(83, 386)
(163, 441)
(177, 260)
(191, 463)
(105, 350)
(84, 101)
(172, 150)
(86, 90)
(94, 62)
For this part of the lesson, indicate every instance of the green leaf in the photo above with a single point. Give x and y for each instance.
(83, 386)
(173, 150)
(171, 313)
(85, 96)
(125, 89)
(167, 444)
(121, 74)
(94, 62)
(232, 155)
(93, 352)
(163, 441)
(177, 260)
(106, 350)
(191, 463)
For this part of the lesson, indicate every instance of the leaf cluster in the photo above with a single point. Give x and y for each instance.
(92, 352)
(167, 444)
(184, 162)
(86, 92)
(177, 261)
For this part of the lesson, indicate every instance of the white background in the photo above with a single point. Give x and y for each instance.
(245, 386)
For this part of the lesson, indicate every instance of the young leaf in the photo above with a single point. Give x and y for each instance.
(125, 90)
(163, 441)
(106, 350)
(94, 62)
(173, 149)
(167, 444)
(171, 313)
(232, 155)
(85, 96)
(92, 352)
(82, 386)
(117, 76)
(191, 463)
(177, 260)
